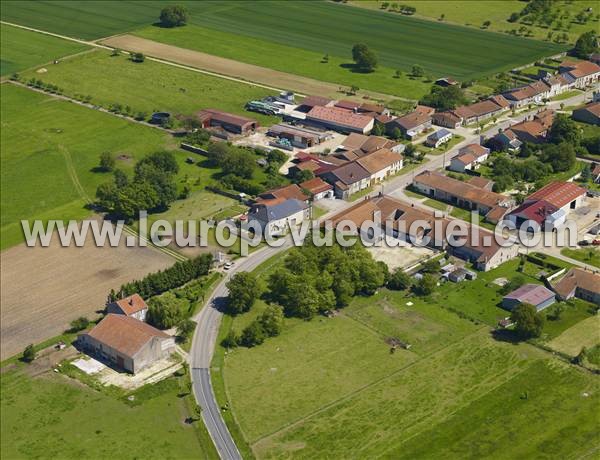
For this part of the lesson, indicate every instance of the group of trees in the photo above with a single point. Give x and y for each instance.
(444, 98)
(158, 282)
(152, 189)
(268, 324)
(316, 279)
(528, 321)
(399, 280)
(586, 44)
(395, 7)
(557, 155)
(173, 16)
(364, 57)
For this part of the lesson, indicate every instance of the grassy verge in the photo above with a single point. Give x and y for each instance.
(589, 256)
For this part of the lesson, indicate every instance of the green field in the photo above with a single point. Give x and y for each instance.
(22, 49)
(464, 12)
(81, 19)
(286, 58)
(343, 391)
(325, 27)
(49, 151)
(52, 416)
(150, 86)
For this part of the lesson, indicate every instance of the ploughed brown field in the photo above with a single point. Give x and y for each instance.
(44, 289)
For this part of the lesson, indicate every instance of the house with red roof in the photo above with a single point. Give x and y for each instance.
(579, 74)
(340, 119)
(133, 306)
(547, 208)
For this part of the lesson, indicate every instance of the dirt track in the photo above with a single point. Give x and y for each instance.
(44, 289)
(234, 69)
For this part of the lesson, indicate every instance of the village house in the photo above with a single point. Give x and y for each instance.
(281, 194)
(133, 306)
(548, 207)
(533, 93)
(589, 113)
(508, 140)
(347, 179)
(126, 342)
(438, 138)
(459, 193)
(579, 74)
(533, 294)
(381, 163)
(533, 130)
(211, 118)
(412, 124)
(409, 223)
(340, 120)
(361, 145)
(481, 111)
(447, 119)
(277, 217)
(579, 283)
(317, 188)
(469, 158)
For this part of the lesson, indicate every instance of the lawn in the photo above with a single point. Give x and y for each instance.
(150, 86)
(582, 334)
(292, 397)
(290, 59)
(589, 256)
(50, 149)
(52, 416)
(22, 49)
(464, 12)
(400, 42)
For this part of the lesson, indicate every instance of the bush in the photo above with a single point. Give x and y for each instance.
(28, 353)
(252, 335)
(400, 280)
(173, 16)
(79, 324)
(231, 340)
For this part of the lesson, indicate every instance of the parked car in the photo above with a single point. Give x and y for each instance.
(228, 265)
(584, 243)
(596, 243)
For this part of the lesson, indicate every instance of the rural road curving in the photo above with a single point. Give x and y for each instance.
(201, 352)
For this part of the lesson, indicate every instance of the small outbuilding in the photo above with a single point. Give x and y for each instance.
(438, 138)
(535, 294)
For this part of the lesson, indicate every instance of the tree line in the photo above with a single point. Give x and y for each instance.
(158, 282)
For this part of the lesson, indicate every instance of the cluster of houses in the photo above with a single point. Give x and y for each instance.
(358, 163)
(123, 339)
(575, 283)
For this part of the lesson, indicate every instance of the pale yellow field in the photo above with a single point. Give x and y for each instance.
(583, 334)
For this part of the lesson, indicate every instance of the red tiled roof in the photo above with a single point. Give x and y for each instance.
(281, 194)
(412, 120)
(577, 278)
(314, 101)
(581, 69)
(125, 334)
(536, 211)
(315, 185)
(557, 193)
(224, 117)
(339, 116)
(379, 160)
(132, 304)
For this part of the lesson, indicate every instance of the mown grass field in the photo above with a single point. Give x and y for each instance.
(49, 151)
(586, 333)
(343, 391)
(286, 58)
(22, 49)
(52, 416)
(400, 42)
(464, 12)
(149, 86)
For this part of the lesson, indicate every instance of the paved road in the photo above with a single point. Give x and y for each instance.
(202, 349)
